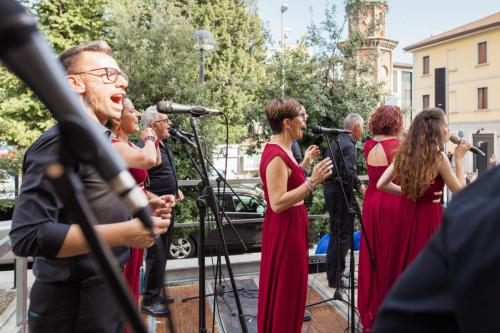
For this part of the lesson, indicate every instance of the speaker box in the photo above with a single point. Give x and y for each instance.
(440, 88)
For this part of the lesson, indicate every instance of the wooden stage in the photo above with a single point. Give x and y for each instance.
(184, 315)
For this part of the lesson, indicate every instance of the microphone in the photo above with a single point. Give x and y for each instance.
(187, 134)
(316, 129)
(473, 149)
(196, 111)
(180, 134)
(26, 54)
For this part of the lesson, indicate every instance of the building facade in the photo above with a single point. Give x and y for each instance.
(459, 71)
(368, 19)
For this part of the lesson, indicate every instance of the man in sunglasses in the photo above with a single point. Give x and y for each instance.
(69, 294)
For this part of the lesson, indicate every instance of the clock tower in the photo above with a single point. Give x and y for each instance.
(367, 17)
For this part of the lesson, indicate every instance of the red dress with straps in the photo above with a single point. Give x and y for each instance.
(284, 262)
(132, 269)
(382, 227)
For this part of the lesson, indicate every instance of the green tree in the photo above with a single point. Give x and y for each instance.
(153, 42)
(236, 68)
(64, 23)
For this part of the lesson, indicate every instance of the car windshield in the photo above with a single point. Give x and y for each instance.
(251, 203)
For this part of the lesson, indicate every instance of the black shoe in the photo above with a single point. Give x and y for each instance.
(344, 283)
(165, 299)
(155, 309)
(307, 316)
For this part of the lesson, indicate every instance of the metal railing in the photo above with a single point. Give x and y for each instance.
(20, 284)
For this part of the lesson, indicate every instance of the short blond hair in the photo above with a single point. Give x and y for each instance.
(69, 57)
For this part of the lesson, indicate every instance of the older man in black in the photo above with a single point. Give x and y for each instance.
(162, 181)
(69, 294)
(335, 201)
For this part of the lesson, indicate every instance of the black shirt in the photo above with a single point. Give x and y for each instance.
(163, 177)
(296, 152)
(39, 225)
(348, 147)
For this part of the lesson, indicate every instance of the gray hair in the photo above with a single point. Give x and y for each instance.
(351, 120)
(149, 116)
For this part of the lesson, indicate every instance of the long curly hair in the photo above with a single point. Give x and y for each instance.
(418, 157)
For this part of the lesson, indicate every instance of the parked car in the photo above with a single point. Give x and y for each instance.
(245, 209)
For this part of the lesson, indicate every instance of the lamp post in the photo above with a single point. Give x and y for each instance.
(205, 44)
(284, 8)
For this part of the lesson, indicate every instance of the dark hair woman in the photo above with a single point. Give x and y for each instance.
(284, 265)
(380, 211)
(139, 160)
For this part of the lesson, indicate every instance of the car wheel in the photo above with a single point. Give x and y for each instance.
(182, 248)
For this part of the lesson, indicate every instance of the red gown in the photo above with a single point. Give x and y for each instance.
(398, 234)
(382, 222)
(132, 269)
(284, 262)
(421, 217)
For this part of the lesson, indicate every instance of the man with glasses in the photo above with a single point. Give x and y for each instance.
(69, 294)
(162, 181)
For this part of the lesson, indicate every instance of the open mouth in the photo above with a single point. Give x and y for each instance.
(117, 98)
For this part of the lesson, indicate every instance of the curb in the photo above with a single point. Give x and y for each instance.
(8, 317)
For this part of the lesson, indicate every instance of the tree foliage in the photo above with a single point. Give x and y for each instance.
(325, 74)
(236, 68)
(64, 23)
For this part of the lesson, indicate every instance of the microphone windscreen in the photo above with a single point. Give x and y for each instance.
(455, 139)
(316, 129)
(16, 25)
(164, 106)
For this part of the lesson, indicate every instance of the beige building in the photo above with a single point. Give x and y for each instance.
(459, 71)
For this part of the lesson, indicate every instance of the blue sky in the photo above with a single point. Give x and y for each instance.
(408, 21)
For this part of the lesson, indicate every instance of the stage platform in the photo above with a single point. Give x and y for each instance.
(326, 318)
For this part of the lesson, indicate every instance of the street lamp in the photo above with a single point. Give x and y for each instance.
(284, 8)
(205, 44)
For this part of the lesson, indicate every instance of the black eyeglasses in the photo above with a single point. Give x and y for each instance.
(110, 76)
(166, 121)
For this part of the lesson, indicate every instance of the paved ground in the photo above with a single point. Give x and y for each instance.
(185, 272)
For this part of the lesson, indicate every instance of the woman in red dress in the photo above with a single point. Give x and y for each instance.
(139, 160)
(380, 215)
(422, 169)
(284, 262)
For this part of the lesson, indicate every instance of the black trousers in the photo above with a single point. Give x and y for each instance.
(338, 212)
(63, 307)
(156, 263)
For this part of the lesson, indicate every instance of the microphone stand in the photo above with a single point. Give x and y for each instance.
(211, 200)
(69, 189)
(354, 210)
(219, 178)
(218, 291)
